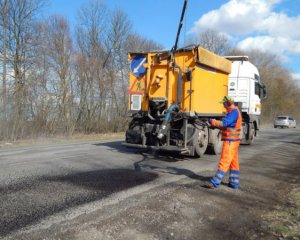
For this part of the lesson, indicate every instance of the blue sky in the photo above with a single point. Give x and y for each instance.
(273, 25)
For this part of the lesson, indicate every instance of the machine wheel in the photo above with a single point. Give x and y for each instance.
(218, 143)
(215, 140)
(252, 130)
(200, 141)
(133, 133)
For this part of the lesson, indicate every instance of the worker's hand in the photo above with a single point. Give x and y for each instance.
(209, 123)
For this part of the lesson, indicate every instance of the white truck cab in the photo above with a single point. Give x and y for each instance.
(245, 88)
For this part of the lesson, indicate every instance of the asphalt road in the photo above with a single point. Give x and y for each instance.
(43, 186)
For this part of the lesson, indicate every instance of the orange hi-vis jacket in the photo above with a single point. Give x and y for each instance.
(231, 125)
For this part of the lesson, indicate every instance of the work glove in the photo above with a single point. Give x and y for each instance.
(209, 123)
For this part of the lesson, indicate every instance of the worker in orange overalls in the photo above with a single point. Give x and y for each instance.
(230, 128)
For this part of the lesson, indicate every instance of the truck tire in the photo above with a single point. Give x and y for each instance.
(200, 142)
(216, 142)
(249, 140)
(133, 133)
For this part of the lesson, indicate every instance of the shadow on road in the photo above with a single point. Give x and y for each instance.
(145, 165)
(117, 146)
(297, 143)
(150, 155)
(164, 156)
(161, 155)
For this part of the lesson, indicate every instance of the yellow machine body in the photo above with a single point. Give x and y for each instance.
(194, 79)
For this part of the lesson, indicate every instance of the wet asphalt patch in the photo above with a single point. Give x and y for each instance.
(31, 200)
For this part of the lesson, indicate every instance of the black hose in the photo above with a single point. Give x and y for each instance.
(180, 26)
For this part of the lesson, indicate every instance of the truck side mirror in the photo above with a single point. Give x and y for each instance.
(264, 91)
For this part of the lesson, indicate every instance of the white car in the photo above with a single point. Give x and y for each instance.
(284, 122)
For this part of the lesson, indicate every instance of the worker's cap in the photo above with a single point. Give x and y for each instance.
(226, 99)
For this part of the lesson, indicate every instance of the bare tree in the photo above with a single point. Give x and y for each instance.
(41, 93)
(92, 57)
(59, 56)
(137, 43)
(213, 41)
(103, 41)
(21, 15)
(4, 6)
(119, 30)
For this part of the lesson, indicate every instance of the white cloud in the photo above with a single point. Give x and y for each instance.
(279, 24)
(236, 16)
(278, 45)
(269, 30)
(296, 76)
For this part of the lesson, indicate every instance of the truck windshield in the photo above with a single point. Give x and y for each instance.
(281, 118)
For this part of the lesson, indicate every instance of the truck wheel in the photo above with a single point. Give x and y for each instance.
(200, 141)
(133, 134)
(215, 142)
(218, 143)
(251, 135)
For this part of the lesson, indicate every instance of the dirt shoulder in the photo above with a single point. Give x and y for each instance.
(265, 207)
(55, 140)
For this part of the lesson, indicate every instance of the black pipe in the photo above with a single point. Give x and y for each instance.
(180, 26)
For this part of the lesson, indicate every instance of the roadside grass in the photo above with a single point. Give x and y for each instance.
(56, 140)
(285, 221)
